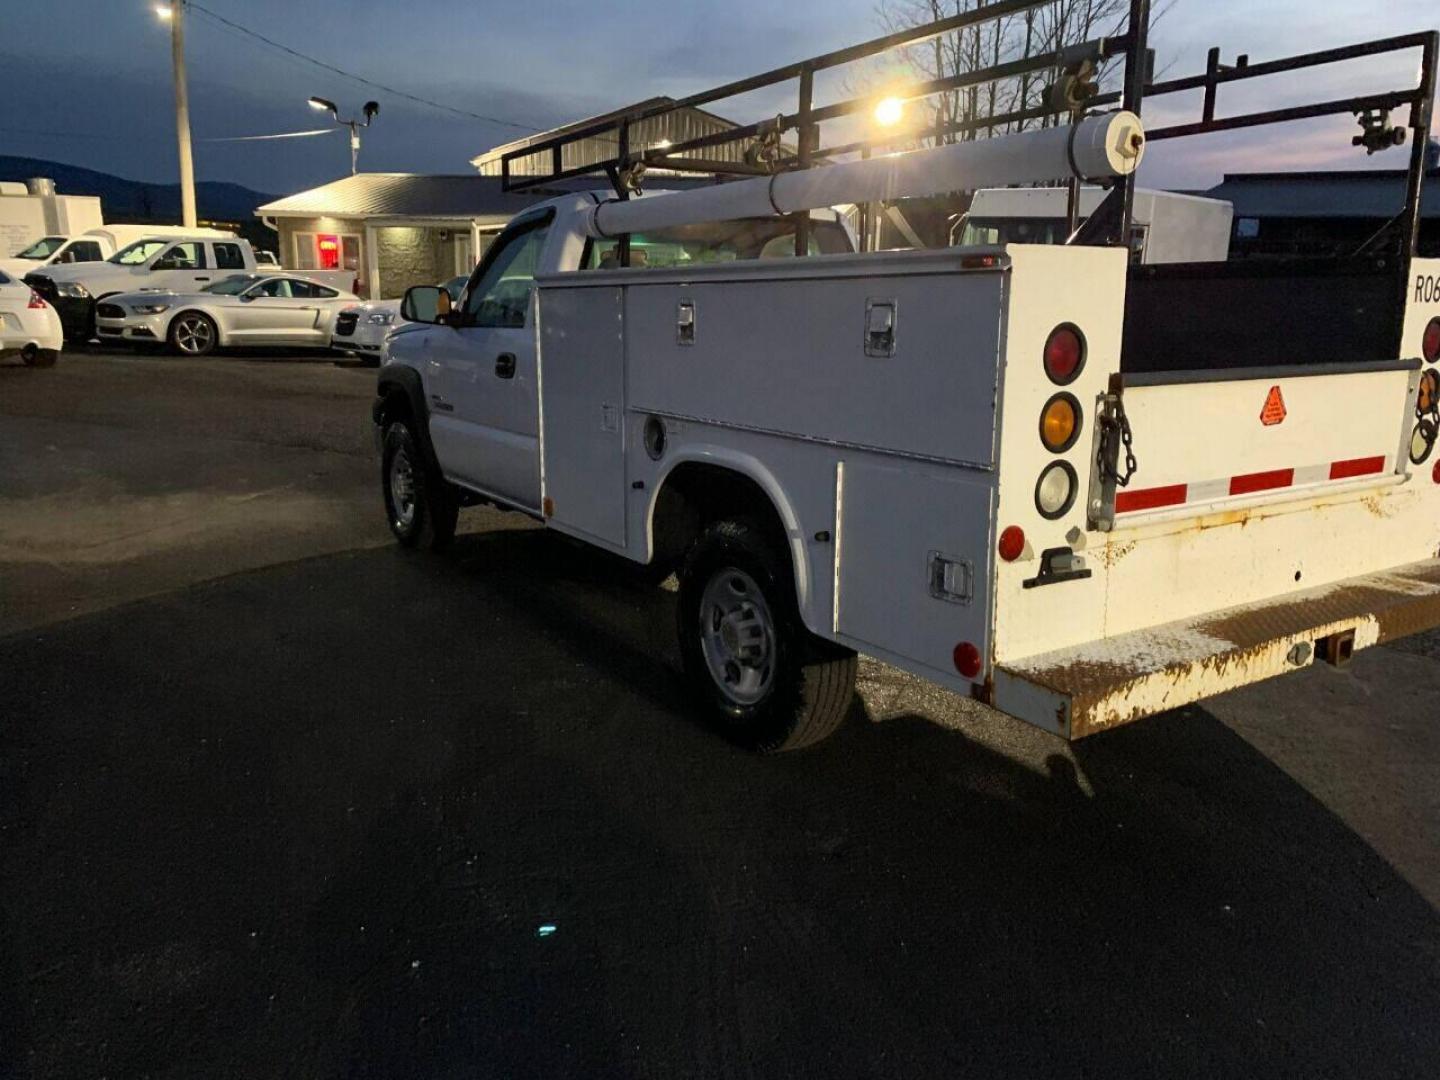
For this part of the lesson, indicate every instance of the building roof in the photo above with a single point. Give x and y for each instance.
(1367, 193)
(708, 122)
(423, 197)
(410, 195)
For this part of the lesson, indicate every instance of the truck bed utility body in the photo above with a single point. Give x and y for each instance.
(1082, 490)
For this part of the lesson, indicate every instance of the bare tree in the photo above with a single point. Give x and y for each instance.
(962, 113)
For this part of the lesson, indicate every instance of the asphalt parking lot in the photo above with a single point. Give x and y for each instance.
(279, 799)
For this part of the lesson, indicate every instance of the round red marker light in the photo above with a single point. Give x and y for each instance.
(967, 660)
(1435, 473)
(1430, 343)
(1064, 354)
(1012, 543)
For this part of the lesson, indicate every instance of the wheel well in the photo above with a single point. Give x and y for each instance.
(394, 405)
(696, 494)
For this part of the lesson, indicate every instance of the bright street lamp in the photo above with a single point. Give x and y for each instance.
(164, 12)
(370, 109)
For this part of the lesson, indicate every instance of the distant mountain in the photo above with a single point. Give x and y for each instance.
(136, 201)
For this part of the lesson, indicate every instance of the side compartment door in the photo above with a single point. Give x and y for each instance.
(914, 578)
(481, 376)
(582, 418)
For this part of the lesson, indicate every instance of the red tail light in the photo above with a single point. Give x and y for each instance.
(1012, 543)
(1435, 473)
(1064, 354)
(967, 660)
(36, 301)
(1430, 344)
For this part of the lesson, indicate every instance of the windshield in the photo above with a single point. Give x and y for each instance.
(42, 249)
(137, 253)
(1014, 230)
(455, 286)
(231, 285)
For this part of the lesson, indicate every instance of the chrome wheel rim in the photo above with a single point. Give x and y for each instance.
(193, 334)
(402, 490)
(737, 636)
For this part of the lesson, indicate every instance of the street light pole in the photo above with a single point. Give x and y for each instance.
(182, 112)
(370, 109)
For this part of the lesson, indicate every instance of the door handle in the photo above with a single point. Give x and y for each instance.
(505, 365)
(198, 278)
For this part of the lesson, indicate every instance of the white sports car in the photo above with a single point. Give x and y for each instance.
(28, 325)
(245, 309)
(361, 328)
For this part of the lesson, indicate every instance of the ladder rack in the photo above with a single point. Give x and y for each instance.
(1072, 95)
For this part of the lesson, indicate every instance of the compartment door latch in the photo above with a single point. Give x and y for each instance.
(952, 579)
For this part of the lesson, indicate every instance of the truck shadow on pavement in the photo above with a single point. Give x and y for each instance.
(383, 814)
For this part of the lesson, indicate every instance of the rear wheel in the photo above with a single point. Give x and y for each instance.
(764, 681)
(193, 333)
(420, 505)
(39, 357)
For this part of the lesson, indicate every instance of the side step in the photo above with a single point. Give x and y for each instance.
(1084, 689)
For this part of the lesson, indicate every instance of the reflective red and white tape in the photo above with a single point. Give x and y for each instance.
(1208, 491)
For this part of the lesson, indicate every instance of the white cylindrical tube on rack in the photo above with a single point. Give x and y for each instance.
(1097, 148)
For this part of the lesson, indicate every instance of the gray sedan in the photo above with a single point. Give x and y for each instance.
(245, 309)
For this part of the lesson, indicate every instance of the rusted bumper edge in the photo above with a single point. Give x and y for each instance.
(1090, 688)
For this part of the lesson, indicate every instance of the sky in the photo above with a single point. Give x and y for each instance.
(89, 81)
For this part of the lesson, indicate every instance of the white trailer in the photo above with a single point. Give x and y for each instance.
(1167, 226)
(1081, 491)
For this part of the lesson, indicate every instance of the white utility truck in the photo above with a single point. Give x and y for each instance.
(1166, 226)
(1079, 490)
(181, 262)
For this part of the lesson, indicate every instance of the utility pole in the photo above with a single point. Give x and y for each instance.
(176, 15)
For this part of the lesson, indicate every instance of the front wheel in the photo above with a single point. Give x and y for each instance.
(193, 334)
(762, 679)
(421, 507)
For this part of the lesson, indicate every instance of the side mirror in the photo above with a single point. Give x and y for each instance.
(426, 304)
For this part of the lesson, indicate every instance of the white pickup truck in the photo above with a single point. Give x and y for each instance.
(93, 245)
(183, 263)
(1079, 490)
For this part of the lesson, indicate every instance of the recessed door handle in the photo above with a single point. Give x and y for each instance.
(505, 365)
(198, 278)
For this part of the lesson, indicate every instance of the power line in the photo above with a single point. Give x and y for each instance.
(351, 75)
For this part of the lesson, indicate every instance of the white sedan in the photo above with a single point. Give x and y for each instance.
(29, 326)
(245, 309)
(361, 328)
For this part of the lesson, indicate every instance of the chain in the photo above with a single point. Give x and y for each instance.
(1110, 423)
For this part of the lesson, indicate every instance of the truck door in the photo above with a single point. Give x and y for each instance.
(481, 377)
(183, 267)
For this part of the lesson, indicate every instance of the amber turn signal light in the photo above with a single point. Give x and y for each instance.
(1060, 423)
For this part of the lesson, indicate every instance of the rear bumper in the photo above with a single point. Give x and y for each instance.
(1088, 688)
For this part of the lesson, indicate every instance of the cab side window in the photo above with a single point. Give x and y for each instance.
(186, 256)
(229, 257)
(501, 298)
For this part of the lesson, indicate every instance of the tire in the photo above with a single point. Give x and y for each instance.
(192, 333)
(761, 679)
(420, 505)
(40, 358)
